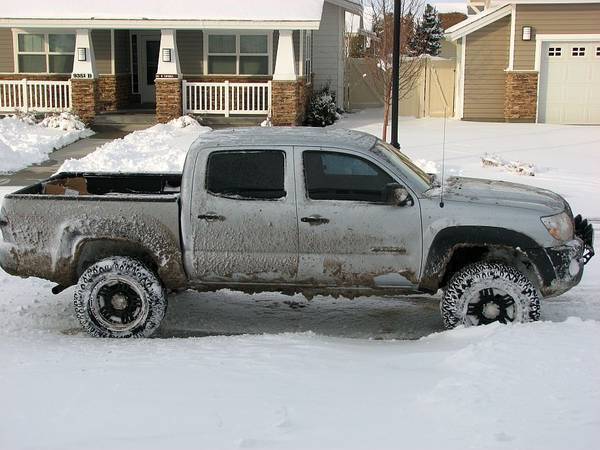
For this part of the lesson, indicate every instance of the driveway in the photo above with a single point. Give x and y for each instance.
(35, 173)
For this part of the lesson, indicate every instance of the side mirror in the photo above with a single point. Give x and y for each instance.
(397, 195)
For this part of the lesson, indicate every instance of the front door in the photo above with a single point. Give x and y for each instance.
(149, 51)
(348, 235)
(244, 217)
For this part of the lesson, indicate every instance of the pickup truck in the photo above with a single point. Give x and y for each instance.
(330, 212)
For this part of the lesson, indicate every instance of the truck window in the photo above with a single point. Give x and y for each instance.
(249, 175)
(338, 176)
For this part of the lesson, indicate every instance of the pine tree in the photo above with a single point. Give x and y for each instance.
(428, 34)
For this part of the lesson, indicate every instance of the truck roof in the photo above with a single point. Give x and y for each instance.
(285, 136)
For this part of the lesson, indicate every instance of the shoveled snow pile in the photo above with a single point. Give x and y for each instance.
(65, 121)
(518, 167)
(159, 149)
(24, 141)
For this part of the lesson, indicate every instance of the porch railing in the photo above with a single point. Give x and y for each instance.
(35, 96)
(227, 98)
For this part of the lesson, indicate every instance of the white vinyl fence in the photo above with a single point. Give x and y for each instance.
(227, 98)
(35, 96)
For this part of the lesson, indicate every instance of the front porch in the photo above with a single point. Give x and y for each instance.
(207, 73)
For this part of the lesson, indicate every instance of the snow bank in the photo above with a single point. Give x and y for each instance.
(24, 142)
(518, 167)
(161, 148)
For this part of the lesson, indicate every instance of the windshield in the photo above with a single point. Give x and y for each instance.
(406, 166)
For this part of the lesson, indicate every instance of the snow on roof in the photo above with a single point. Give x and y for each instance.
(477, 21)
(260, 10)
(450, 7)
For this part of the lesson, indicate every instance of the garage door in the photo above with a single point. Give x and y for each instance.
(570, 83)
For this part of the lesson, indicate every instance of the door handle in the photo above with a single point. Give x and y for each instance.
(211, 217)
(314, 220)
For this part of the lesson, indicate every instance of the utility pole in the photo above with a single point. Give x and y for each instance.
(396, 71)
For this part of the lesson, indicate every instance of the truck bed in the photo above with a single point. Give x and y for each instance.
(52, 228)
(106, 184)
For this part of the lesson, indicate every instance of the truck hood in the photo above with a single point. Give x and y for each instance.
(500, 193)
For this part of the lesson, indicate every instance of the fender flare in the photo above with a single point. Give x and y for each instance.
(451, 239)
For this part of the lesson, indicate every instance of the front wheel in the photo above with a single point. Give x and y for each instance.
(483, 293)
(120, 297)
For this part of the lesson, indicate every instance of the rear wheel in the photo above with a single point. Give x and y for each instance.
(120, 297)
(484, 293)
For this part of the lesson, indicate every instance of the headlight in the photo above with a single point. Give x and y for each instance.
(559, 226)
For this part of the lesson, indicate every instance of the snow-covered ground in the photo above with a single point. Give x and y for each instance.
(24, 142)
(161, 148)
(266, 371)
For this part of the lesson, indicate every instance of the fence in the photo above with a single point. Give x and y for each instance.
(227, 98)
(35, 96)
(432, 95)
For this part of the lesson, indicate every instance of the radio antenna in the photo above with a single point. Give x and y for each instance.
(443, 161)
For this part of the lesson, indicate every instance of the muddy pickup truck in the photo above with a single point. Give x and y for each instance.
(292, 210)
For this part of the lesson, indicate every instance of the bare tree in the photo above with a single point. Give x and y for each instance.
(379, 61)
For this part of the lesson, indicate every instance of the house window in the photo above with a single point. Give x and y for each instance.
(578, 51)
(45, 53)
(238, 54)
(308, 55)
(555, 51)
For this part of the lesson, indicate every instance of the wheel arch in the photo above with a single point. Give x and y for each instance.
(89, 251)
(455, 247)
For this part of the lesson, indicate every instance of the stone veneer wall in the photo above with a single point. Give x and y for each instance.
(84, 93)
(113, 92)
(520, 101)
(168, 99)
(290, 100)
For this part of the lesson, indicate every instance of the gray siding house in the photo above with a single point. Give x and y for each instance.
(226, 57)
(529, 61)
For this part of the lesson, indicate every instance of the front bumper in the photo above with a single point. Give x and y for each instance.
(570, 259)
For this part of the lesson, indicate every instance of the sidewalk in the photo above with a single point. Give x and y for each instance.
(33, 174)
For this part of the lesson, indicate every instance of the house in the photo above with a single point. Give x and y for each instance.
(223, 57)
(529, 61)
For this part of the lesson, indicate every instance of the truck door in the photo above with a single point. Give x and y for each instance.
(244, 216)
(349, 236)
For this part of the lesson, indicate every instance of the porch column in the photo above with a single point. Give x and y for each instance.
(285, 65)
(169, 104)
(287, 91)
(84, 78)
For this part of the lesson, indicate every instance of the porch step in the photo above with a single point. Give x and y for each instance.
(119, 124)
(137, 117)
(229, 122)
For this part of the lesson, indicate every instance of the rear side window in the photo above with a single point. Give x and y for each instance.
(249, 175)
(337, 176)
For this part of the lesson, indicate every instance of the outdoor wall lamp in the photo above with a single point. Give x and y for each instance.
(82, 54)
(166, 55)
(527, 33)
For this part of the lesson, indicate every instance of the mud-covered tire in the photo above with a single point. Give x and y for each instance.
(120, 297)
(465, 289)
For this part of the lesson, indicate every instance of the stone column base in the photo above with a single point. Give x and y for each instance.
(169, 100)
(84, 93)
(520, 101)
(289, 102)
